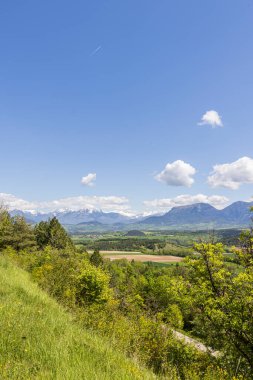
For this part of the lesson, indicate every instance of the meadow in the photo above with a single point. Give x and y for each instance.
(40, 340)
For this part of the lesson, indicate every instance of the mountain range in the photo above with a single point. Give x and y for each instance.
(200, 214)
(237, 214)
(75, 217)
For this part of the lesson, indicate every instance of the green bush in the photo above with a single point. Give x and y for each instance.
(92, 285)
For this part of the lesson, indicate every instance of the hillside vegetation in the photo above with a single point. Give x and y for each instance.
(137, 308)
(39, 340)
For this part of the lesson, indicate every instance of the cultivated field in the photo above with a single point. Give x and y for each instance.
(144, 258)
(108, 253)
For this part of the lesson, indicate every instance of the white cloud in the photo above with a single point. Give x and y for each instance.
(211, 118)
(232, 175)
(13, 202)
(89, 179)
(105, 203)
(177, 173)
(165, 204)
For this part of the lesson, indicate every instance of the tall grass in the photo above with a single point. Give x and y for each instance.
(39, 340)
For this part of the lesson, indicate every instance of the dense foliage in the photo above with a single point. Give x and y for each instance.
(53, 234)
(141, 306)
(40, 340)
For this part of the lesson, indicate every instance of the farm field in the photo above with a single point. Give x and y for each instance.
(112, 252)
(144, 258)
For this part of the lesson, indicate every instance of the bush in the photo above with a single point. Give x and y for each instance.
(92, 285)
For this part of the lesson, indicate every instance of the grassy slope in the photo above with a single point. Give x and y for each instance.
(38, 340)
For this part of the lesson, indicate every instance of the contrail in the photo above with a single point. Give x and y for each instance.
(95, 51)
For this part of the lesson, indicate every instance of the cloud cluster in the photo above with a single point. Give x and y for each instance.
(165, 204)
(211, 118)
(177, 173)
(232, 175)
(89, 180)
(14, 203)
(229, 175)
(106, 203)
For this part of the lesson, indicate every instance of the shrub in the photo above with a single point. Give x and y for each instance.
(92, 285)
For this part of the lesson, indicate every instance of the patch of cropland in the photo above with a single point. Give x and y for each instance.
(143, 258)
(39, 340)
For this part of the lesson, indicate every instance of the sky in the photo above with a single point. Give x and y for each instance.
(130, 106)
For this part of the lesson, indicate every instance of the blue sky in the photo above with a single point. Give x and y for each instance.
(117, 90)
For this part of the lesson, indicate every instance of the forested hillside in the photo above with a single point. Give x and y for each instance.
(137, 307)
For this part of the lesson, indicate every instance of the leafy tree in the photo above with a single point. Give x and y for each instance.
(23, 234)
(245, 253)
(92, 285)
(96, 259)
(223, 302)
(55, 271)
(52, 233)
(174, 316)
(6, 228)
(58, 236)
(15, 232)
(42, 234)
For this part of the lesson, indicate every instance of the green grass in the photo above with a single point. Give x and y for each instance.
(39, 340)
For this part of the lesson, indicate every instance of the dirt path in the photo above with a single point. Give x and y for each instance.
(198, 345)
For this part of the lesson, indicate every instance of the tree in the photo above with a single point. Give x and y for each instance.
(42, 234)
(52, 233)
(6, 228)
(23, 234)
(15, 232)
(223, 301)
(92, 285)
(96, 259)
(58, 236)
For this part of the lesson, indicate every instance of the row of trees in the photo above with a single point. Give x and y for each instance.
(16, 232)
